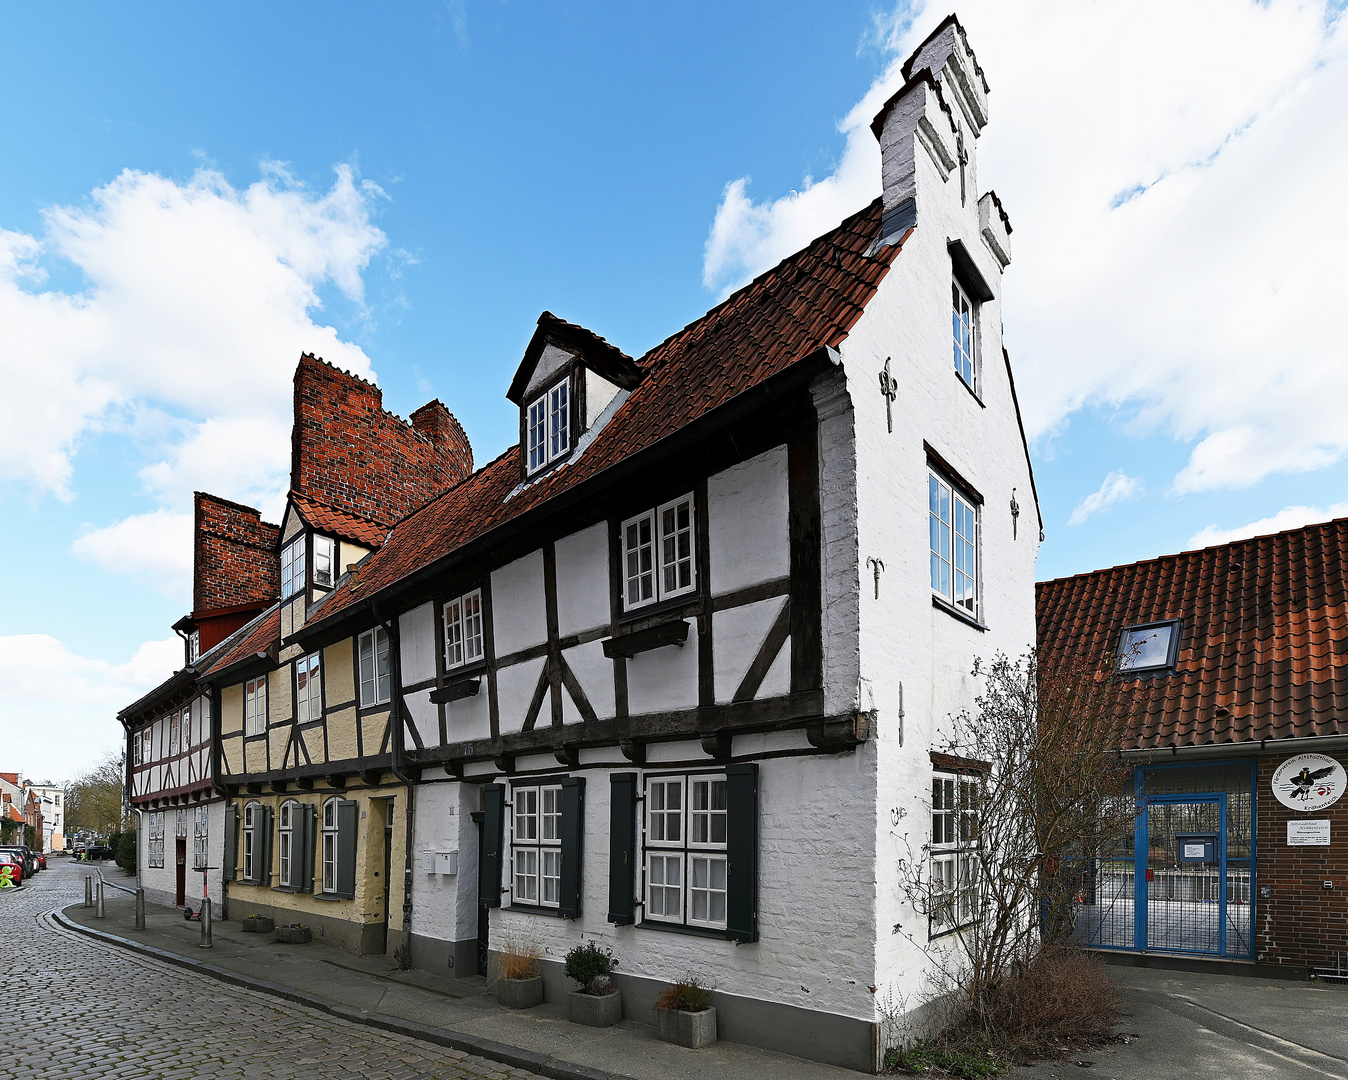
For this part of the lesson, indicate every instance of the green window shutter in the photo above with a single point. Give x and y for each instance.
(742, 852)
(308, 831)
(347, 819)
(264, 846)
(493, 840)
(231, 842)
(622, 848)
(573, 826)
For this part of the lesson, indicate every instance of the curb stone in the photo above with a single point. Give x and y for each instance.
(512, 1056)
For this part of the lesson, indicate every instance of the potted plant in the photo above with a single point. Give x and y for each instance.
(597, 1003)
(294, 934)
(684, 1015)
(518, 982)
(258, 924)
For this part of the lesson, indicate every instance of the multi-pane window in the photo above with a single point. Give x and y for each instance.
(292, 568)
(155, 845)
(330, 845)
(965, 337)
(549, 425)
(463, 630)
(187, 729)
(252, 841)
(308, 689)
(325, 558)
(173, 734)
(194, 646)
(374, 668)
(953, 522)
(536, 852)
(686, 866)
(138, 748)
(255, 706)
(954, 850)
(659, 559)
(200, 831)
(285, 832)
(180, 824)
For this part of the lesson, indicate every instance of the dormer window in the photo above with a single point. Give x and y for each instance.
(324, 557)
(292, 568)
(194, 646)
(549, 425)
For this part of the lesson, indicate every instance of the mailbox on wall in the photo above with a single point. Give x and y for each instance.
(1196, 847)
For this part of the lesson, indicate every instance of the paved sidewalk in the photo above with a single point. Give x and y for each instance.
(454, 1012)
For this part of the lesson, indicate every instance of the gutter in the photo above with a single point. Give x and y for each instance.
(1251, 746)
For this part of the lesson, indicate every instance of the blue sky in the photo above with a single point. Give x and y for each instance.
(190, 196)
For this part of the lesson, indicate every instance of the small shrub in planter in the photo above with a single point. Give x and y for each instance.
(294, 934)
(597, 1003)
(684, 1015)
(518, 983)
(258, 924)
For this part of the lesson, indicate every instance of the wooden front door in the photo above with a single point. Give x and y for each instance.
(180, 853)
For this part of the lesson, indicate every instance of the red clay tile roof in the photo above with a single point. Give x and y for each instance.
(1263, 644)
(262, 634)
(811, 299)
(337, 522)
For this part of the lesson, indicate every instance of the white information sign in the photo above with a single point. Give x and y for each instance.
(1309, 782)
(1193, 851)
(1308, 833)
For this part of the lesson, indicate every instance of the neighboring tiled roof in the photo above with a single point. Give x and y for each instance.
(1264, 637)
(338, 522)
(806, 301)
(13, 814)
(258, 636)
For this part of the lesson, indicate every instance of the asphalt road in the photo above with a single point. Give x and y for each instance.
(81, 1010)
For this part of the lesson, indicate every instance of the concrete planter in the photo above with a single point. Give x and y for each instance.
(595, 1010)
(258, 924)
(690, 1029)
(294, 935)
(520, 993)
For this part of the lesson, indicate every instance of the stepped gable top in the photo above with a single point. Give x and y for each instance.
(235, 562)
(351, 454)
(809, 300)
(336, 523)
(1263, 650)
(606, 359)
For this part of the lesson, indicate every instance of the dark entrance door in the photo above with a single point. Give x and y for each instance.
(180, 854)
(483, 919)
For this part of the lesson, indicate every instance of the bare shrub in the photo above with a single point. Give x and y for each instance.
(1062, 999)
(517, 958)
(686, 995)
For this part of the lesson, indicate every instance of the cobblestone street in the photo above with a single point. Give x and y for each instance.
(114, 1014)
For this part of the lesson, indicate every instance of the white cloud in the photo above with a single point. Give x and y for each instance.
(153, 548)
(1171, 171)
(46, 689)
(1290, 517)
(1117, 487)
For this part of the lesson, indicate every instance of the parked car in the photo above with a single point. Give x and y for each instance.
(97, 852)
(15, 864)
(42, 860)
(25, 857)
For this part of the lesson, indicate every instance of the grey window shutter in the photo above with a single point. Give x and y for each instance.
(347, 810)
(493, 841)
(308, 818)
(573, 826)
(263, 842)
(742, 852)
(231, 842)
(622, 848)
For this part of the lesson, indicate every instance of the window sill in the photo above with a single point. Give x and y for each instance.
(678, 607)
(674, 632)
(685, 930)
(456, 690)
(963, 616)
(933, 935)
(972, 392)
(530, 909)
(331, 897)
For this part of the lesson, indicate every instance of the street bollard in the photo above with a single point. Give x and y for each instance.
(205, 925)
(88, 891)
(140, 909)
(99, 913)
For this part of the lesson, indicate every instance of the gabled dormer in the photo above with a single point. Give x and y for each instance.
(567, 380)
(318, 544)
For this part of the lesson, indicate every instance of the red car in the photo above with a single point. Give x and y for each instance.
(42, 860)
(15, 865)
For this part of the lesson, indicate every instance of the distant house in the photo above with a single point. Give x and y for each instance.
(1236, 659)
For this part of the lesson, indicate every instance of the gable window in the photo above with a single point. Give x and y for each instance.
(953, 525)
(325, 559)
(308, 689)
(549, 425)
(963, 329)
(687, 868)
(658, 558)
(292, 567)
(200, 828)
(463, 630)
(374, 668)
(255, 706)
(1146, 648)
(954, 899)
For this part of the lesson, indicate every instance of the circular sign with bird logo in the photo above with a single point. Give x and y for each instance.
(1309, 782)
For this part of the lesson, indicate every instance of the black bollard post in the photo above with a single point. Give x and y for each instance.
(205, 925)
(140, 909)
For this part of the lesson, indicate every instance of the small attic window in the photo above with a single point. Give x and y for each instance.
(548, 425)
(1149, 648)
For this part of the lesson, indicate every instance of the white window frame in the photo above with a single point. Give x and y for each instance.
(376, 681)
(685, 855)
(185, 730)
(325, 561)
(255, 706)
(285, 833)
(547, 426)
(292, 567)
(964, 335)
(155, 845)
(654, 561)
(138, 748)
(954, 850)
(175, 723)
(252, 812)
(953, 539)
(194, 646)
(536, 846)
(309, 688)
(465, 630)
(330, 845)
(200, 836)
(180, 824)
